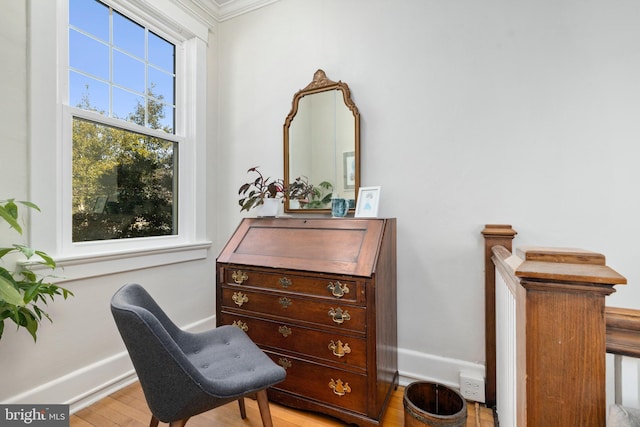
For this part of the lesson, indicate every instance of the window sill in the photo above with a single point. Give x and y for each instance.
(83, 267)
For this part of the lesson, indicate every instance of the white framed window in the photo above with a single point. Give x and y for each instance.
(124, 172)
(117, 145)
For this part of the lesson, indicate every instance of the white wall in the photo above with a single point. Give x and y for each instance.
(472, 113)
(13, 108)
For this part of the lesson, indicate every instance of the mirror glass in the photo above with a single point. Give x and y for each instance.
(322, 145)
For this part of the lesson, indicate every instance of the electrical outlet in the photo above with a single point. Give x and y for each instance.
(472, 386)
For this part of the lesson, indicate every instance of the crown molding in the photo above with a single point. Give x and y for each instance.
(170, 12)
(222, 10)
(201, 13)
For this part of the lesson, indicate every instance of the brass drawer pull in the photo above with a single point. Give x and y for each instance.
(339, 387)
(338, 289)
(285, 302)
(284, 362)
(284, 331)
(338, 315)
(239, 277)
(240, 324)
(284, 282)
(338, 349)
(239, 298)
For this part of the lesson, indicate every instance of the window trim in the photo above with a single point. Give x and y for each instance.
(71, 248)
(50, 152)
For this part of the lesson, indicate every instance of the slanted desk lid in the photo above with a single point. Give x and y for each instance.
(340, 246)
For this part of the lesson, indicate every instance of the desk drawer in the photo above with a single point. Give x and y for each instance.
(335, 288)
(291, 307)
(315, 381)
(335, 348)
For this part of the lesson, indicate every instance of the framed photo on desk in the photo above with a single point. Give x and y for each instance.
(368, 201)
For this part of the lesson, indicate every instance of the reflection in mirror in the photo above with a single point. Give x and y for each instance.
(322, 145)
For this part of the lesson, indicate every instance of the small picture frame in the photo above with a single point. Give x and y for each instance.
(368, 201)
(349, 170)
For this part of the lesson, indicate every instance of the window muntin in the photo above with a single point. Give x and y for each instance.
(124, 178)
(115, 67)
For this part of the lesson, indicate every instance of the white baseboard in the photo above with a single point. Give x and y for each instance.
(99, 392)
(91, 383)
(416, 366)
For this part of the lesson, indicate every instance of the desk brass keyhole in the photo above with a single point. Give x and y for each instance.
(240, 324)
(340, 388)
(239, 277)
(284, 362)
(285, 302)
(239, 298)
(338, 349)
(284, 282)
(285, 331)
(338, 315)
(338, 289)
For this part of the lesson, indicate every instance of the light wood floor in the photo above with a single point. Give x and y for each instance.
(127, 407)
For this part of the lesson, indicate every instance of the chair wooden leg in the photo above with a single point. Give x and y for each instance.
(263, 405)
(178, 423)
(243, 410)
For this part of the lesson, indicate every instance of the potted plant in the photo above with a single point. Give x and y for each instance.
(22, 292)
(261, 191)
(301, 190)
(308, 195)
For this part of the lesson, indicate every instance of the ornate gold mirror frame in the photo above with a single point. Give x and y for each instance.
(322, 145)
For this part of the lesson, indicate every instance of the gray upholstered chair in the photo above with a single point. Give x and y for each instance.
(184, 374)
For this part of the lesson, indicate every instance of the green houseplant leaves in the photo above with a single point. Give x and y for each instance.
(22, 292)
(256, 191)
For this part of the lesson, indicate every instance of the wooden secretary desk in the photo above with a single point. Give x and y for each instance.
(318, 295)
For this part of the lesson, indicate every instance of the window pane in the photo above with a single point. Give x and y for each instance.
(161, 53)
(128, 72)
(128, 106)
(90, 16)
(127, 35)
(88, 93)
(161, 85)
(88, 55)
(139, 68)
(123, 183)
(165, 120)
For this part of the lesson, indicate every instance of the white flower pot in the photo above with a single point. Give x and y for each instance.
(270, 207)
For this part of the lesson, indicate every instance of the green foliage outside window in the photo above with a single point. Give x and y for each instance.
(123, 182)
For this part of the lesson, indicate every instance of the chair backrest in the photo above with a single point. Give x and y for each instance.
(165, 374)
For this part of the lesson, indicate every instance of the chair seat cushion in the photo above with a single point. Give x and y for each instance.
(231, 362)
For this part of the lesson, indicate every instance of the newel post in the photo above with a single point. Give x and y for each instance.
(494, 235)
(564, 294)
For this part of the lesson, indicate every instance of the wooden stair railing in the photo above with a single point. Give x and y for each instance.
(623, 339)
(623, 331)
(561, 339)
(494, 235)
